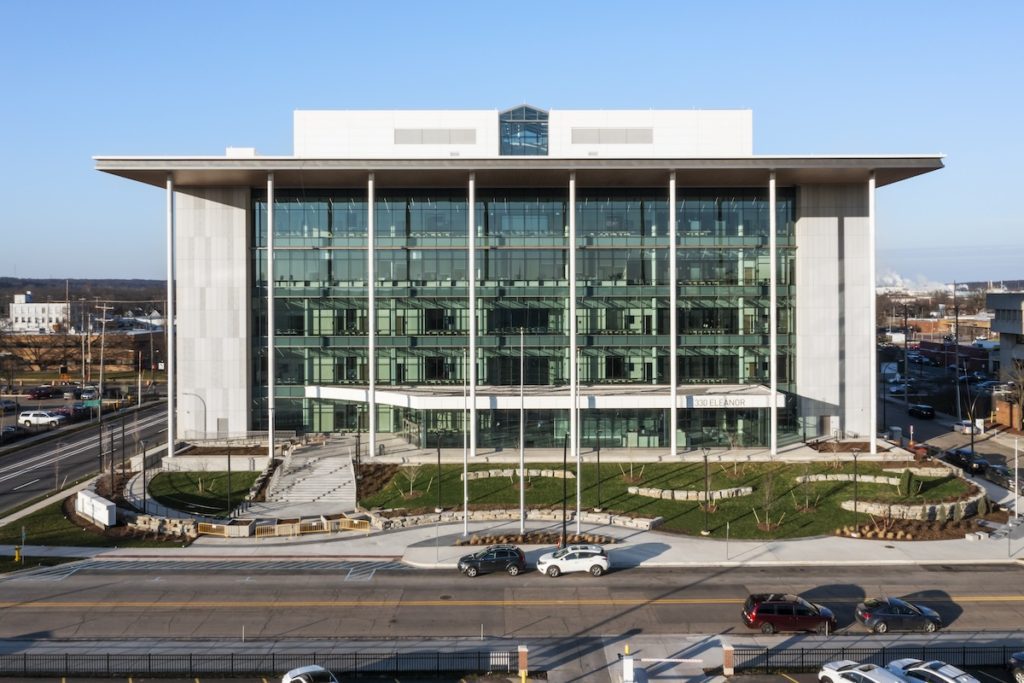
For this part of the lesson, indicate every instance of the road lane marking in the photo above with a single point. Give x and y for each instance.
(334, 604)
(16, 488)
(790, 678)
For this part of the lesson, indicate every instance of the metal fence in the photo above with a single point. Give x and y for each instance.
(231, 664)
(765, 660)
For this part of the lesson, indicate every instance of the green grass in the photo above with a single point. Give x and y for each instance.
(202, 493)
(787, 496)
(7, 564)
(48, 526)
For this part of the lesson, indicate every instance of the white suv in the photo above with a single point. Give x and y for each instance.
(36, 418)
(574, 558)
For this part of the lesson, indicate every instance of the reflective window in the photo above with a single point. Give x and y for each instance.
(523, 132)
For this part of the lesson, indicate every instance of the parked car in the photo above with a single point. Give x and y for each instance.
(849, 671)
(969, 462)
(917, 671)
(922, 410)
(41, 418)
(495, 558)
(10, 433)
(574, 558)
(988, 385)
(44, 392)
(8, 406)
(1016, 666)
(771, 612)
(1001, 475)
(965, 427)
(881, 615)
(309, 674)
(899, 388)
(89, 394)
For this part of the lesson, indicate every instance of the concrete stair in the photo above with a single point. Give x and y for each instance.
(318, 474)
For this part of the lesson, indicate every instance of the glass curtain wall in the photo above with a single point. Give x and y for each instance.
(723, 276)
(320, 306)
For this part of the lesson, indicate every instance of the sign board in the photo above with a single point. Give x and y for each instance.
(91, 404)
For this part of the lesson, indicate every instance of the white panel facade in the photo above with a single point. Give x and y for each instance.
(372, 134)
(834, 330)
(213, 322)
(675, 133)
(439, 134)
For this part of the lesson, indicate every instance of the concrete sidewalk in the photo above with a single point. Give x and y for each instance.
(433, 547)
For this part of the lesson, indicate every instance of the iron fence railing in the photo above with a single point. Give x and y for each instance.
(234, 664)
(763, 659)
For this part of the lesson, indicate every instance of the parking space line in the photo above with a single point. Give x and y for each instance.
(994, 678)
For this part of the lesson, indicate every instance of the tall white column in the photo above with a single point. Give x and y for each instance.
(171, 397)
(673, 322)
(371, 336)
(271, 364)
(471, 247)
(773, 318)
(873, 382)
(574, 388)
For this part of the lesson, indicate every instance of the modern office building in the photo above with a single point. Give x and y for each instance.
(645, 267)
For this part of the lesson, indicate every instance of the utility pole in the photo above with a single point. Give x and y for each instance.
(906, 360)
(103, 334)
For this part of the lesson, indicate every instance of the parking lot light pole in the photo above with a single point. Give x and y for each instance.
(142, 442)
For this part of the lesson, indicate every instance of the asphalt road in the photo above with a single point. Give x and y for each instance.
(185, 600)
(38, 465)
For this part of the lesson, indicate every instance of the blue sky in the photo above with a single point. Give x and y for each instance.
(129, 78)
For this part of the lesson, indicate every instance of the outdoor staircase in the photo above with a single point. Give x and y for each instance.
(318, 474)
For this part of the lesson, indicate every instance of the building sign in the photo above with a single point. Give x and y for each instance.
(740, 401)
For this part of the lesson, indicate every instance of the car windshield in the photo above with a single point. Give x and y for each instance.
(895, 602)
(559, 553)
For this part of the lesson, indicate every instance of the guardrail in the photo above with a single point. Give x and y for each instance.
(270, 664)
(766, 659)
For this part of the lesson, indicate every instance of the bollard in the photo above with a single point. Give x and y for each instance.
(524, 663)
(728, 660)
(17, 553)
(628, 672)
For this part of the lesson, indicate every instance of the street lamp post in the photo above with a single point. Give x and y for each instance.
(598, 508)
(142, 442)
(438, 509)
(707, 493)
(856, 452)
(565, 490)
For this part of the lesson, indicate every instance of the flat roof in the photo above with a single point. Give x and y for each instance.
(289, 171)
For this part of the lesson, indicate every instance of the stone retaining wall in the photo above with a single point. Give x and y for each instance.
(455, 516)
(508, 474)
(869, 478)
(159, 525)
(677, 494)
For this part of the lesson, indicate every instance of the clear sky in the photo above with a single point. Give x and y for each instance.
(192, 77)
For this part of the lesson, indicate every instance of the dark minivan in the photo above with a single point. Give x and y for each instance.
(922, 410)
(771, 612)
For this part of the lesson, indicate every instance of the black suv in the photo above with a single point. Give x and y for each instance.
(771, 612)
(969, 462)
(495, 558)
(1001, 475)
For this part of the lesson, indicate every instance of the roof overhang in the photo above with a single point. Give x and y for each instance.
(516, 172)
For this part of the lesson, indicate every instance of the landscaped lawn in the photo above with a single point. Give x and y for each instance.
(777, 496)
(202, 493)
(7, 564)
(48, 526)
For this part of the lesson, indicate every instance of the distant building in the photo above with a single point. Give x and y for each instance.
(1009, 323)
(37, 318)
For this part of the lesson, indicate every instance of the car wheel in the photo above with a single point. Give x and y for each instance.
(471, 571)
(881, 627)
(554, 571)
(27, 423)
(822, 629)
(767, 629)
(596, 570)
(1018, 675)
(512, 570)
(931, 627)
